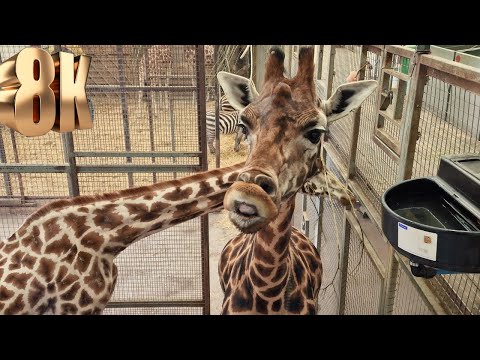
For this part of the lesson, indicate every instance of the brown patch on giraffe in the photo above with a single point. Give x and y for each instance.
(1, 273)
(15, 307)
(22, 231)
(37, 292)
(92, 240)
(277, 305)
(85, 299)
(148, 196)
(3, 261)
(18, 280)
(51, 287)
(106, 267)
(233, 177)
(72, 254)
(83, 209)
(83, 261)
(62, 272)
(105, 298)
(159, 207)
(2, 244)
(178, 194)
(12, 237)
(76, 223)
(205, 189)
(5, 294)
(141, 213)
(106, 218)
(242, 299)
(9, 247)
(16, 260)
(282, 243)
(51, 229)
(59, 246)
(263, 270)
(182, 209)
(275, 290)
(46, 269)
(67, 281)
(33, 241)
(126, 235)
(261, 306)
(69, 309)
(265, 256)
(256, 280)
(296, 302)
(50, 304)
(114, 250)
(281, 272)
(71, 292)
(95, 279)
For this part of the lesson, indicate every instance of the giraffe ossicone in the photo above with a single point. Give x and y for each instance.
(271, 268)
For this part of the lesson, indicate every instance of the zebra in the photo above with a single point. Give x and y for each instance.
(227, 121)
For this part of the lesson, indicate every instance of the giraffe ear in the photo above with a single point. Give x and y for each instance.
(346, 98)
(239, 90)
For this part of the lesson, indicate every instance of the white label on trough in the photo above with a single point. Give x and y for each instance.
(417, 242)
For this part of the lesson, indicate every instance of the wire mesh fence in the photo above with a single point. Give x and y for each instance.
(146, 108)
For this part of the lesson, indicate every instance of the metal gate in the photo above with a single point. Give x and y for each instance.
(148, 105)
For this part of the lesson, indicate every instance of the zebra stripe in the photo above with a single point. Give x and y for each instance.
(225, 105)
(227, 121)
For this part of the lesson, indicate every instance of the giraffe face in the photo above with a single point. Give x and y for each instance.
(284, 126)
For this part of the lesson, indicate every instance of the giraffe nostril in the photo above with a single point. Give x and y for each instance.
(267, 188)
(266, 184)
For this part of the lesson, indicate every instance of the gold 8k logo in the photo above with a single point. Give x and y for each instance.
(40, 92)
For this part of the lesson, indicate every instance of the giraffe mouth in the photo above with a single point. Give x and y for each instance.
(250, 207)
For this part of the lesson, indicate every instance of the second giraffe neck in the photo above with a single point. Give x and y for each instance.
(271, 244)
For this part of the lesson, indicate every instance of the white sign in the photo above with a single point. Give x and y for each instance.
(417, 242)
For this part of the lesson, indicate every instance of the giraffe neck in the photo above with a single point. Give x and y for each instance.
(108, 223)
(269, 258)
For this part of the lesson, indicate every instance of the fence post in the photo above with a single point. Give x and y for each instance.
(344, 264)
(123, 98)
(356, 120)
(331, 71)
(201, 111)
(217, 112)
(405, 164)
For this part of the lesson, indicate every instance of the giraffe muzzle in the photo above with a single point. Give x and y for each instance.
(250, 207)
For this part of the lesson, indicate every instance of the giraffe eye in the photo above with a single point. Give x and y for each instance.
(243, 128)
(314, 135)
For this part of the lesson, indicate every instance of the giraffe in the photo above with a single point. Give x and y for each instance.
(270, 267)
(61, 260)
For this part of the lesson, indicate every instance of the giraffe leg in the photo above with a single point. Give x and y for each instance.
(210, 146)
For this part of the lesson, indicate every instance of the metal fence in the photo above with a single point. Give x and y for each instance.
(148, 106)
(435, 111)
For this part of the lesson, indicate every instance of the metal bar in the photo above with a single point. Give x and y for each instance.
(411, 122)
(320, 62)
(17, 160)
(202, 138)
(217, 114)
(344, 265)
(3, 160)
(465, 83)
(136, 88)
(356, 119)
(400, 50)
(126, 126)
(150, 113)
(35, 168)
(135, 154)
(389, 141)
(459, 70)
(331, 71)
(149, 304)
(68, 150)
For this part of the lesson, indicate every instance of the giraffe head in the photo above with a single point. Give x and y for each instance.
(283, 124)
